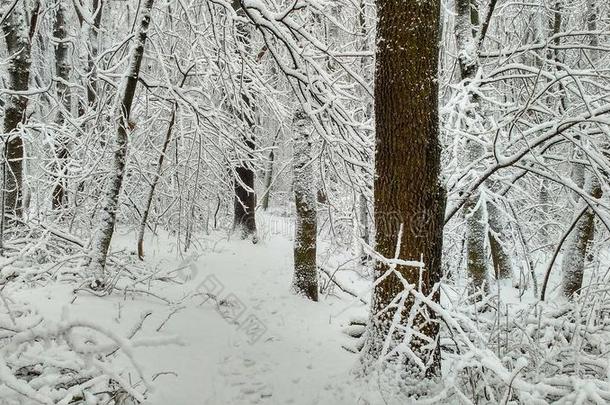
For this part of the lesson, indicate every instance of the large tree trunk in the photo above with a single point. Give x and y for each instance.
(103, 234)
(15, 29)
(244, 220)
(305, 281)
(407, 164)
(62, 71)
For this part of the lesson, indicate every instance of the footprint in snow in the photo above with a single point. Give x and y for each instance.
(245, 377)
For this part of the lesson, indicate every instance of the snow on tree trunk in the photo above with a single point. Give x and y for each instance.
(363, 209)
(575, 256)
(245, 201)
(62, 71)
(476, 228)
(92, 88)
(244, 204)
(305, 281)
(499, 258)
(15, 29)
(480, 225)
(476, 264)
(110, 199)
(407, 185)
(91, 31)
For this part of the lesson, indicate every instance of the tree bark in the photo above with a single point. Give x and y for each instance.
(575, 257)
(92, 88)
(499, 258)
(15, 29)
(62, 71)
(103, 234)
(269, 176)
(268, 182)
(305, 281)
(244, 205)
(476, 228)
(482, 219)
(407, 164)
(97, 7)
(476, 232)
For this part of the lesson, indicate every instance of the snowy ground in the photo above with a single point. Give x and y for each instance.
(241, 336)
(248, 341)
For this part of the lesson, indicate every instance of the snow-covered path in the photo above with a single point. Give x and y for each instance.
(280, 349)
(249, 341)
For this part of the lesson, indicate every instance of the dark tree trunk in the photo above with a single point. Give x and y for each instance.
(16, 34)
(62, 71)
(244, 202)
(244, 220)
(110, 199)
(407, 165)
(305, 280)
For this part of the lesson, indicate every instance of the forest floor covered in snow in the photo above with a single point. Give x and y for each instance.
(237, 335)
(220, 325)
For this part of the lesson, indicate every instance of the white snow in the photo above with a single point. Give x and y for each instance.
(222, 358)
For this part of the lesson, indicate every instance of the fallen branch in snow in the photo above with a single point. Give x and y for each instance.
(72, 361)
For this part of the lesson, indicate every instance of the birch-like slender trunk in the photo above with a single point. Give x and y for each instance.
(62, 71)
(363, 209)
(92, 33)
(269, 176)
(93, 43)
(482, 218)
(305, 281)
(16, 35)
(476, 228)
(500, 259)
(575, 257)
(110, 199)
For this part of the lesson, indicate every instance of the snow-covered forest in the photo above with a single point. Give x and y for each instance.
(351, 202)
